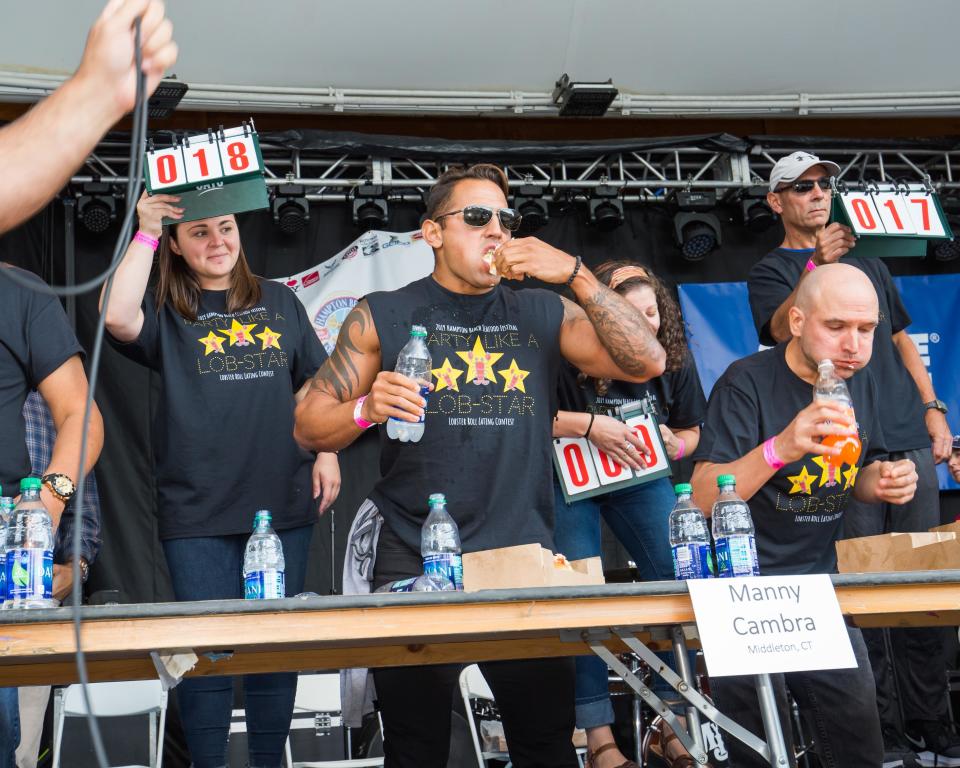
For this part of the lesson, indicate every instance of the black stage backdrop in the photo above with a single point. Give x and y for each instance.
(131, 559)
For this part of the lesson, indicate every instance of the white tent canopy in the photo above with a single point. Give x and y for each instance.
(676, 57)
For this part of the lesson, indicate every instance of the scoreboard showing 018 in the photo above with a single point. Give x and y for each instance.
(213, 174)
(204, 159)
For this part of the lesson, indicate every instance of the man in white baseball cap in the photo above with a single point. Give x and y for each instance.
(790, 168)
(914, 428)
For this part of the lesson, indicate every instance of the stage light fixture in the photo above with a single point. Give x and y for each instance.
(370, 209)
(697, 232)
(166, 98)
(757, 215)
(605, 207)
(583, 99)
(291, 210)
(529, 203)
(96, 207)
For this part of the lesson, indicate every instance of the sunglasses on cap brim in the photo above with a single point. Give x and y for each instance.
(480, 215)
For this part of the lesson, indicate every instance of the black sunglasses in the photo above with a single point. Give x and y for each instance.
(804, 186)
(480, 215)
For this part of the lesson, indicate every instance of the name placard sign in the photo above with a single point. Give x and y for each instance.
(763, 624)
(584, 470)
(891, 219)
(213, 174)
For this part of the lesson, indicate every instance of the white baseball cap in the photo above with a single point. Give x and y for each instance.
(792, 167)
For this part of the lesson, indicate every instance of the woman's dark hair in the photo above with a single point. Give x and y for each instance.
(442, 189)
(626, 276)
(177, 284)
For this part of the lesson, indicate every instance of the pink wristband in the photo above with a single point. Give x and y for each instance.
(810, 265)
(142, 237)
(770, 455)
(357, 418)
(683, 449)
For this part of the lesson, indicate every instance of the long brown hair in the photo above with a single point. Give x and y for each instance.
(177, 283)
(670, 334)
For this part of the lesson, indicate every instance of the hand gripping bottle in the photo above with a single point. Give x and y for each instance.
(415, 363)
(263, 563)
(29, 557)
(831, 387)
(689, 537)
(733, 532)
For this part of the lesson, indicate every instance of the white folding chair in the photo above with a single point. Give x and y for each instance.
(321, 693)
(139, 697)
(473, 686)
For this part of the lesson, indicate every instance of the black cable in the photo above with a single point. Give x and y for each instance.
(134, 182)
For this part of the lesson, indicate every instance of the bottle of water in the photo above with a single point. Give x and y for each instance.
(263, 563)
(733, 532)
(425, 582)
(29, 557)
(440, 543)
(689, 537)
(830, 387)
(415, 363)
(6, 526)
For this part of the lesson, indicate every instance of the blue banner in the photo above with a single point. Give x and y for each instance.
(720, 330)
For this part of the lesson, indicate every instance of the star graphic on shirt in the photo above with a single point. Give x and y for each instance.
(212, 343)
(447, 376)
(239, 333)
(802, 483)
(851, 477)
(513, 377)
(269, 338)
(480, 362)
(829, 473)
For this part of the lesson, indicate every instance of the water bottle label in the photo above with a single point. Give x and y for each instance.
(4, 594)
(29, 574)
(264, 585)
(737, 556)
(691, 561)
(403, 585)
(424, 391)
(447, 566)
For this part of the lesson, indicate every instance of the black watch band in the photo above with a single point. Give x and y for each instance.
(936, 405)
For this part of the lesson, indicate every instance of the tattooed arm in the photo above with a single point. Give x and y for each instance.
(324, 417)
(605, 336)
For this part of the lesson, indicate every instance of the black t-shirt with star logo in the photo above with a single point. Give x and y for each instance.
(487, 434)
(798, 513)
(223, 429)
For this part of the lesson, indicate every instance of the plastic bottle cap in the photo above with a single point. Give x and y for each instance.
(723, 480)
(418, 330)
(437, 498)
(30, 483)
(825, 364)
(263, 514)
(682, 488)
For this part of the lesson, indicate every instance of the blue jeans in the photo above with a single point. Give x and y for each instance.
(638, 517)
(211, 569)
(9, 727)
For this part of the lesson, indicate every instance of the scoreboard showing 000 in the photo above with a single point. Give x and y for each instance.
(203, 159)
(587, 471)
(888, 210)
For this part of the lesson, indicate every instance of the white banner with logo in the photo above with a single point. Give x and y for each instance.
(376, 261)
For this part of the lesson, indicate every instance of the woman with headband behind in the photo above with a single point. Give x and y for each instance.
(637, 515)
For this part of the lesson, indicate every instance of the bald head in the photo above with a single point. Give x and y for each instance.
(834, 317)
(828, 287)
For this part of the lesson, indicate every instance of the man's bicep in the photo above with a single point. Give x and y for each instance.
(351, 368)
(65, 390)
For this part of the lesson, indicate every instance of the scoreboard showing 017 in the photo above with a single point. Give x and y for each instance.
(891, 219)
(204, 159)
